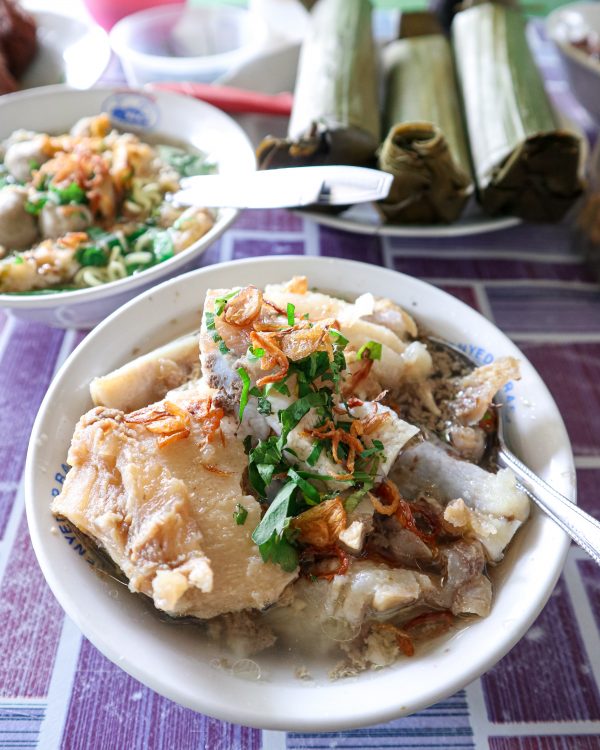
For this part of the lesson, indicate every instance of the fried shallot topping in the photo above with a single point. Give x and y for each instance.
(297, 285)
(321, 525)
(338, 435)
(169, 421)
(272, 356)
(386, 500)
(172, 423)
(243, 309)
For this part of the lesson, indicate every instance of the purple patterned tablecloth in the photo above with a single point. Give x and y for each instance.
(56, 690)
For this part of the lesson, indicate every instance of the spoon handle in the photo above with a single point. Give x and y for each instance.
(580, 526)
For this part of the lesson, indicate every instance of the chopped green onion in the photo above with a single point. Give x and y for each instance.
(220, 302)
(162, 245)
(245, 390)
(291, 314)
(35, 207)
(211, 326)
(255, 353)
(338, 337)
(91, 256)
(240, 514)
(70, 194)
(186, 163)
(370, 350)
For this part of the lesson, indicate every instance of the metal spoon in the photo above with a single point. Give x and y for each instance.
(579, 525)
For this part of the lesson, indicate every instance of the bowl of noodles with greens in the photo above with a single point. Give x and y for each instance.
(86, 220)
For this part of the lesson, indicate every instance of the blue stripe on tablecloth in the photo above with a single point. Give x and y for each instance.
(445, 725)
(20, 724)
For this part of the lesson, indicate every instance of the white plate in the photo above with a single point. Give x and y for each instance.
(175, 660)
(55, 109)
(71, 50)
(364, 219)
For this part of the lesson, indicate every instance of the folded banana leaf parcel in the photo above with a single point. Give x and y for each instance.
(525, 163)
(335, 118)
(426, 145)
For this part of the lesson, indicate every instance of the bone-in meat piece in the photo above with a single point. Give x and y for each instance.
(149, 377)
(488, 506)
(165, 515)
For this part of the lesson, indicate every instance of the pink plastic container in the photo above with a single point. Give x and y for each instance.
(108, 12)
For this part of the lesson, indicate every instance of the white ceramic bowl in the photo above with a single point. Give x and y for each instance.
(175, 660)
(55, 109)
(71, 50)
(179, 43)
(572, 22)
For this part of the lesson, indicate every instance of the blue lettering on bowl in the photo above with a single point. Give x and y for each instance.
(64, 525)
(132, 110)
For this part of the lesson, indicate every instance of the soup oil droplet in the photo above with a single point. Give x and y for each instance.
(247, 669)
(339, 630)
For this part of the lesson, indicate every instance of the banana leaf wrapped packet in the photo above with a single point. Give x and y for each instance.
(426, 145)
(525, 164)
(335, 117)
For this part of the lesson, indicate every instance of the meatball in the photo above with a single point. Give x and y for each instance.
(95, 126)
(56, 221)
(20, 157)
(193, 224)
(18, 229)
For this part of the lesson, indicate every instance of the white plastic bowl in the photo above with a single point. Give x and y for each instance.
(177, 43)
(176, 660)
(572, 22)
(55, 109)
(71, 50)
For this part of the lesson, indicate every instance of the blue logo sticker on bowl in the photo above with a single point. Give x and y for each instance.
(132, 109)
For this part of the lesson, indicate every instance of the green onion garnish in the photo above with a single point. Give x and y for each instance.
(245, 390)
(370, 350)
(291, 314)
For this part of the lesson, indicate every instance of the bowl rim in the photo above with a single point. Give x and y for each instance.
(241, 712)
(224, 219)
(171, 63)
(552, 23)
